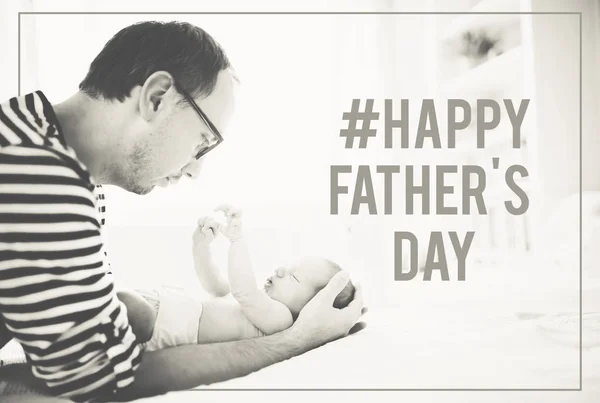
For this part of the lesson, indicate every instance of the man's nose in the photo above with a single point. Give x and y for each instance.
(193, 168)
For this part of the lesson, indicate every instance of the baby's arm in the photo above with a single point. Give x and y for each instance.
(206, 270)
(268, 315)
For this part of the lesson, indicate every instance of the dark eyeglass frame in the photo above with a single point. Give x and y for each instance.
(207, 122)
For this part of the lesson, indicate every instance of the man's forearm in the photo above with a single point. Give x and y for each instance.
(187, 366)
(33, 399)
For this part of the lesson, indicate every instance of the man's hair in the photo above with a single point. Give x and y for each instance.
(187, 52)
(347, 294)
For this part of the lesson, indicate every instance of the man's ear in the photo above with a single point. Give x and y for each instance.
(157, 95)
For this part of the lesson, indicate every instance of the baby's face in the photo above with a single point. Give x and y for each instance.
(295, 284)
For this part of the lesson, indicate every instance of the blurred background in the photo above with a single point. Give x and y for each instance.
(298, 74)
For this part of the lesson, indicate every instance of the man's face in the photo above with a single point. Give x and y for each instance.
(167, 141)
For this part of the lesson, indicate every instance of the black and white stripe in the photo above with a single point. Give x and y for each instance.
(57, 297)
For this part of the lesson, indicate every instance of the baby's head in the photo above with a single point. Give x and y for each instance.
(296, 284)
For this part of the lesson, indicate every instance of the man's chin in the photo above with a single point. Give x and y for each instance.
(139, 190)
(147, 190)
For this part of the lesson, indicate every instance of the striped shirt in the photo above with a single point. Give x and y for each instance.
(57, 295)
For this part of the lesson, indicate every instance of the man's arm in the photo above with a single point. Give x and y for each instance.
(188, 366)
(56, 296)
(33, 399)
(185, 367)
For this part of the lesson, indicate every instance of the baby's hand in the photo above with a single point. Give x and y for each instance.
(232, 228)
(205, 232)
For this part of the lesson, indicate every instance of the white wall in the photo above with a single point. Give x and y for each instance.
(9, 39)
(556, 65)
(556, 93)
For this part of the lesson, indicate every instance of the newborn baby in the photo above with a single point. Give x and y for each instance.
(181, 318)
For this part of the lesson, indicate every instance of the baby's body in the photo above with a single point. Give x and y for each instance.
(224, 320)
(240, 309)
(179, 317)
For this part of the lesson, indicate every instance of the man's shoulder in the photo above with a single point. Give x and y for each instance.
(42, 164)
(43, 170)
(33, 150)
(24, 120)
(31, 135)
(30, 121)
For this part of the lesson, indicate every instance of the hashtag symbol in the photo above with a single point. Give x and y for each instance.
(353, 117)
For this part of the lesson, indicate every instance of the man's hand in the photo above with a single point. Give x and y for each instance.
(232, 228)
(319, 322)
(205, 232)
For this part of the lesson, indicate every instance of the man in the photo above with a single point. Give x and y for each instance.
(153, 104)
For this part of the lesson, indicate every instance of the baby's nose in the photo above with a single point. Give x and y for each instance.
(280, 272)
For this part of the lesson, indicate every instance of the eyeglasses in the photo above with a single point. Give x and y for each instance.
(217, 138)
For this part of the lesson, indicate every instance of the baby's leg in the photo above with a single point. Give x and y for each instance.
(141, 314)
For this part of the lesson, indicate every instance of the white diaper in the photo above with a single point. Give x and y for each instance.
(177, 320)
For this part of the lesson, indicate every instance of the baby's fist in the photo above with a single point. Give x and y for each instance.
(205, 232)
(232, 228)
